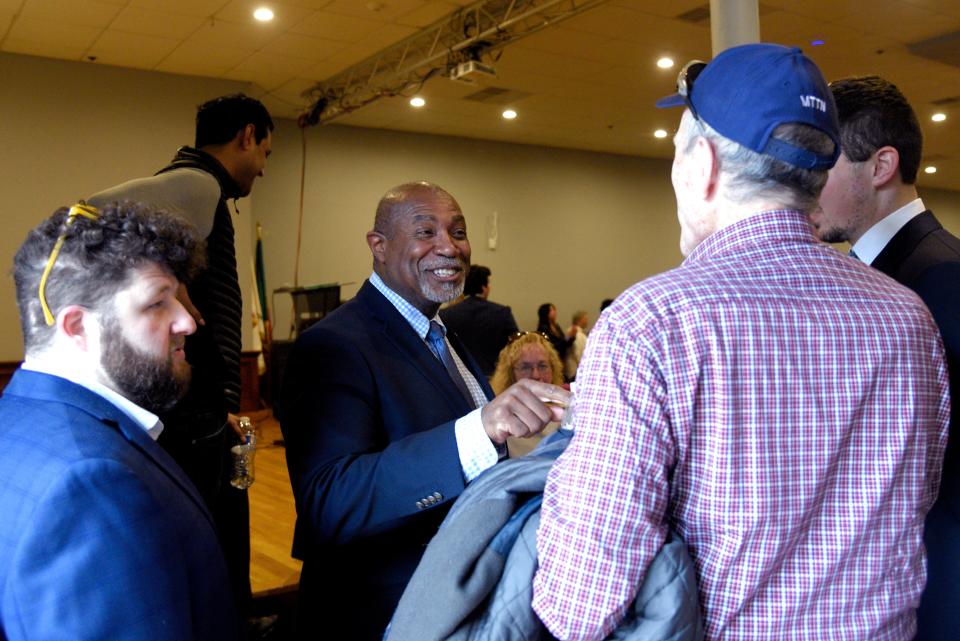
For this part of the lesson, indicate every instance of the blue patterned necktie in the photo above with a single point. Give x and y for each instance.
(437, 343)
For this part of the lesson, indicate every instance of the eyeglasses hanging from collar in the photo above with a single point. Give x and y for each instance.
(80, 209)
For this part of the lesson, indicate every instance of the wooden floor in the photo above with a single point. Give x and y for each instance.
(272, 512)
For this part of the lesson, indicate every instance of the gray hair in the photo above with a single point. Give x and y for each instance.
(747, 175)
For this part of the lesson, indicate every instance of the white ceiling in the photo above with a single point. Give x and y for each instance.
(591, 79)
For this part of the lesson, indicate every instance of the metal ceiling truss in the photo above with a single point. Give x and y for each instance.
(469, 33)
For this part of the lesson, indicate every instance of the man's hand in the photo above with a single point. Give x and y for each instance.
(523, 409)
(234, 421)
(184, 297)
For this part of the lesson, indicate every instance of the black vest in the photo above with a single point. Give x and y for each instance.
(216, 290)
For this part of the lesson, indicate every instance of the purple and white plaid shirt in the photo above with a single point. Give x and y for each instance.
(784, 409)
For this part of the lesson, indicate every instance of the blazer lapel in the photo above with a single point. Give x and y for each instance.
(904, 242)
(398, 332)
(54, 389)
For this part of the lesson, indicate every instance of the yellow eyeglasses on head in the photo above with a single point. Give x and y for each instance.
(80, 209)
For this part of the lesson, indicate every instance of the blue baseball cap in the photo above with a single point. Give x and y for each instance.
(748, 91)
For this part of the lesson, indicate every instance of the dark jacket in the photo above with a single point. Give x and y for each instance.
(367, 414)
(483, 326)
(926, 258)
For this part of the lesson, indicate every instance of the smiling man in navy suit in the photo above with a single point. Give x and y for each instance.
(386, 419)
(102, 536)
(870, 200)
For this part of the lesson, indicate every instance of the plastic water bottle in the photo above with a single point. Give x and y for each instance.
(243, 455)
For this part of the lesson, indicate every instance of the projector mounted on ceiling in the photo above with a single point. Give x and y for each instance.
(472, 71)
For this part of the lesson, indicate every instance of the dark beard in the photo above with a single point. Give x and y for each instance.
(150, 382)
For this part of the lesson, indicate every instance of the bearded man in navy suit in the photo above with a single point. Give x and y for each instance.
(102, 536)
(870, 200)
(386, 418)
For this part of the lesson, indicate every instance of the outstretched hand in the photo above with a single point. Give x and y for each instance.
(523, 410)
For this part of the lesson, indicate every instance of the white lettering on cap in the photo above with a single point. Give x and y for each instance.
(814, 102)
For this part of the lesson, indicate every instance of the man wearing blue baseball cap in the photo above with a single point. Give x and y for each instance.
(778, 405)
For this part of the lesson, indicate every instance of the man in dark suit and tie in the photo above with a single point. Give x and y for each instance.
(483, 326)
(871, 201)
(102, 535)
(386, 418)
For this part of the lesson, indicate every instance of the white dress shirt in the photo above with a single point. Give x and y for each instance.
(877, 237)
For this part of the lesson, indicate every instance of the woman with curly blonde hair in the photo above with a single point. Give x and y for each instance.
(527, 355)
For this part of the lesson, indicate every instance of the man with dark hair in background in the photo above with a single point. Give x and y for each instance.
(482, 325)
(233, 141)
(871, 201)
(780, 407)
(102, 536)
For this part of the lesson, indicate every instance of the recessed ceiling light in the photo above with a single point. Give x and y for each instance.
(417, 101)
(938, 117)
(930, 169)
(263, 14)
(665, 63)
(660, 133)
(818, 43)
(509, 114)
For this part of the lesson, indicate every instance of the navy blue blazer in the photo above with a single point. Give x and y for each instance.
(483, 326)
(101, 534)
(926, 258)
(368, 418)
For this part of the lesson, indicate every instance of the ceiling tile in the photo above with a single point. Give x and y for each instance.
(10, 6)
(380, 10)
(202, 58)
(305, 47)
(230, 34)
(386, 36)
(552, 65)
(151, 22)
(324, 69)
(660, 8)
(902, 22)
(313, 5)
(87, 13)
(427, 14)
(138, 50)
(54, 34)
(33, 47)
(202, 8)
(6, 19)
(323, 24)
(284, 16)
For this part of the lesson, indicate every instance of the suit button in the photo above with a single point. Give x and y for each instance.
(419, 505)
(438, 496)
(429, 500)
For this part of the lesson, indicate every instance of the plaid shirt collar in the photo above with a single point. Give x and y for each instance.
(419, 322)
(762, 228)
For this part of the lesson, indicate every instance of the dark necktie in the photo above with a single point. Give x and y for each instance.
(852, 254)
(437, 343)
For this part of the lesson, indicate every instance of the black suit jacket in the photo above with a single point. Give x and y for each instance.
(926, 258)
(483, 326)
(368, 418)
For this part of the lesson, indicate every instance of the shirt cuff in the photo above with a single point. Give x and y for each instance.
(477, 451)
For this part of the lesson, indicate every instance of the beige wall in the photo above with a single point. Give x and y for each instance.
(70, 129)
(574, 227)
